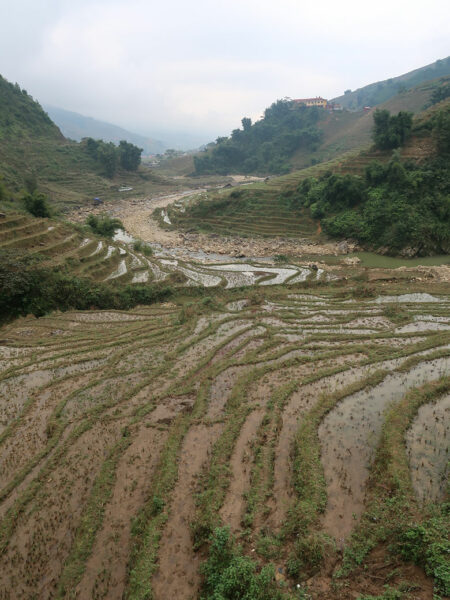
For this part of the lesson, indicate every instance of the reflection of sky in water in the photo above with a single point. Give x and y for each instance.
(123, 236)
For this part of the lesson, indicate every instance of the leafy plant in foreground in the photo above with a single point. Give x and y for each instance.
(229, 575)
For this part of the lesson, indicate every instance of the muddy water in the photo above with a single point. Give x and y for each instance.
(427, 443)
(349, 435)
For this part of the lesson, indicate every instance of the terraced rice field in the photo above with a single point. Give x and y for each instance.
(264, 212)
(126, 437)
(259, 215)
(102, 260)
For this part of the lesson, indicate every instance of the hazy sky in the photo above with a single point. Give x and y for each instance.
(201, 65)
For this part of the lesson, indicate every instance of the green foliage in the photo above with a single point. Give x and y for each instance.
(140, 246)
(129, 156)
(427, 544)
(29, 288)
(3, 191)
(229, 575)
(264, 146)
(37, 204)
(157, 505)
(109, 156)
(396, 205)
(441, 131)
(308, 554)
(389, 594)
(104, 225)
(440, 93)
(391, 131)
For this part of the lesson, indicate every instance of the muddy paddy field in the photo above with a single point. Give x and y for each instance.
(311, 419)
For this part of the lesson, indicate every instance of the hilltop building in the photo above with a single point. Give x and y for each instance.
(317, 101)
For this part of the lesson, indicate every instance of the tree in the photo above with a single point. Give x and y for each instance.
(246, 123)
(107, 155)
(91, 146)
(129, 156)
(390, 132)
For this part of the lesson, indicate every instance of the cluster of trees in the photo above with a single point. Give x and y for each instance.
(396, 205)
(391, 131)
(265, 146)
(110, 157)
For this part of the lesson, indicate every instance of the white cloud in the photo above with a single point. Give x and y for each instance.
(202, 65)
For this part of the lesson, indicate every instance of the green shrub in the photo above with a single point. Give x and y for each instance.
(308, 555)
(427, 544)
(104, 225)
(37, 204)
(157, 505)
(229, 575)
(140, 246)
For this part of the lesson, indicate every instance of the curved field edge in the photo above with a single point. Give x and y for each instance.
(394, 516)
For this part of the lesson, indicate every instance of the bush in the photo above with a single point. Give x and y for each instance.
(140, 246)
(37, 204)
(104, 225)
(427, 545)
(229, 575)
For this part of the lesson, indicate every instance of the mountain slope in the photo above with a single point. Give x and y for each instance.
(76, 127)
(22, 117)
(376, 93)
(349, 130)
(32, 145)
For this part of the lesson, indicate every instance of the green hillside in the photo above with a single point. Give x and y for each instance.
(32, 145)
(377, 93)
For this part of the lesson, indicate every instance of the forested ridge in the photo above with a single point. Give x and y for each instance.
(267, 145)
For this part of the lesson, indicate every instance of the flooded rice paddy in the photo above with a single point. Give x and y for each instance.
(128, 435)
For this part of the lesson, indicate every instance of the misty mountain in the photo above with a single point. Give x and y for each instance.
(75, 127)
